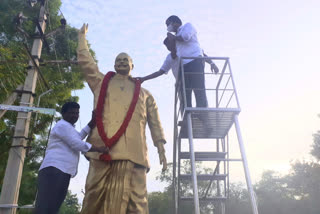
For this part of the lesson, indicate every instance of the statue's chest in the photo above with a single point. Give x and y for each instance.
(120, 94)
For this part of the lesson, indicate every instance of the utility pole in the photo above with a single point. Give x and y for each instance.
(11, 184)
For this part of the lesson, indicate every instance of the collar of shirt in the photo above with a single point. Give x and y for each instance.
(73, 125)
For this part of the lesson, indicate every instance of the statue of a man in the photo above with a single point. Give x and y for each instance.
(116, 183)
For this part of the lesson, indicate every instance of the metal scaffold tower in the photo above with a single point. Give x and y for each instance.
(210, 126)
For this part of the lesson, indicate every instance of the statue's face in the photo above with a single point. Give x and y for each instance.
(123, 64)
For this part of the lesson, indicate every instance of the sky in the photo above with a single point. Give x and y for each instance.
(273, 48)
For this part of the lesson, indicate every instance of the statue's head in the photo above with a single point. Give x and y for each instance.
(123, 64)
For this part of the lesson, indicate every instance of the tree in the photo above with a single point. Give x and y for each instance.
(62, 79)
(70, 204)
(315, 151)
(238, 201)
(160, 202)
(304, 180)
(274, 196)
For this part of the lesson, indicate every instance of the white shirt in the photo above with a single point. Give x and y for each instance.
(190, 47)
(170, 63)
(65, 144)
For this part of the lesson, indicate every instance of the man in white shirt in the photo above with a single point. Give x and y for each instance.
(187, 45)
(61, 160)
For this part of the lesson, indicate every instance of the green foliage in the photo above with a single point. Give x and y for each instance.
(160, 202)
(11, 74)
(315, 151)
(238, 202)
(273, 194)
(70, 204)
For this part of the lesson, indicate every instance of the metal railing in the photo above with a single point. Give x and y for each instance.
(219, 88)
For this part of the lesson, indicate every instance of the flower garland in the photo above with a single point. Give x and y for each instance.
(110, 142)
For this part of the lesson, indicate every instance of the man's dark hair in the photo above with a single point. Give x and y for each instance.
(174, 19)
(69, 105)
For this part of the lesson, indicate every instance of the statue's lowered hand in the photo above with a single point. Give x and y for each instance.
(163, 161)
(162, 155)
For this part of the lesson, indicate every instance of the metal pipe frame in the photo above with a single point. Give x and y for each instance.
(218, 84)
(245, 167)
(234, 85)
(179, 173)
(228, 165)
(174, 179)
(183, 87)
(193, 167)
(225, 66)
(186, 113)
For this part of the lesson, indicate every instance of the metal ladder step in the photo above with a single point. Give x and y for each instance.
(204, 156)
(210, 123)
(204, 177)
(207, 199)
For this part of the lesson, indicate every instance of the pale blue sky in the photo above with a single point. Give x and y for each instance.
(273, 47)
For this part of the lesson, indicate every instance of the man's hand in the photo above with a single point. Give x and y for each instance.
(141, 79)
(100, 149)
(103, 149)
(214, 68)
(92, 122)
(84, 29)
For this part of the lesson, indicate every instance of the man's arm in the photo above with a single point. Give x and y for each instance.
(177, 38)
(85, 60)
(185, 34)
(214, 68)
(166, 66)
(151, 76)
(71, 138)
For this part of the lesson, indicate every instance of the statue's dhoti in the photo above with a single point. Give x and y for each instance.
(118, 187)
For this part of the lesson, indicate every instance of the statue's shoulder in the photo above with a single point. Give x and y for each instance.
(144, 91)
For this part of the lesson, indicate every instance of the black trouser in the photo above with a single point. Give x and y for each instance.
(52, 189)
(195, 81)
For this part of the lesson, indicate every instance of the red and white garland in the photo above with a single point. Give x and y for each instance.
(110, 142)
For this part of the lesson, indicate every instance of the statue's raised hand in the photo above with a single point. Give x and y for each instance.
(84, 29)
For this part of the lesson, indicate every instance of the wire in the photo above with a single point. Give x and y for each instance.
(55, 53)
(52, 119)
(61, 13)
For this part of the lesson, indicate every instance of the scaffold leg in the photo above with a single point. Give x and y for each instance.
(193, 167)
(245, 167)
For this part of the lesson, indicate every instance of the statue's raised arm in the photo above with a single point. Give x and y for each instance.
(86, 61)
